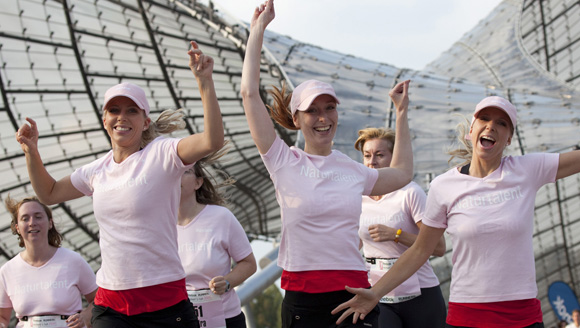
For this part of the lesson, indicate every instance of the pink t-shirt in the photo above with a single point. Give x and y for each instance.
(320, 203)
(491, 223)
(206, 246)
(136, 203)
(398, 210)
(56, 287)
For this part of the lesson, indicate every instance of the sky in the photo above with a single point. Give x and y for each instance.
(402, 33)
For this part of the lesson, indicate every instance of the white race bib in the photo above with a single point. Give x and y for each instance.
(208, 307)
(53, 321)
(409, 289)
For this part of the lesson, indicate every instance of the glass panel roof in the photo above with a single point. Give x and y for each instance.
(57, 58)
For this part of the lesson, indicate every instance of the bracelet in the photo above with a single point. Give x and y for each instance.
(398, 235)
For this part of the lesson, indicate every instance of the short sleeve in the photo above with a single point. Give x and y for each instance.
(435, 214)
(87, 280)
(239, 245)
(5, 301)
(415, 202)
(277, 156)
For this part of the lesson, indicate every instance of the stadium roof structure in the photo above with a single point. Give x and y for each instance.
(58, 57)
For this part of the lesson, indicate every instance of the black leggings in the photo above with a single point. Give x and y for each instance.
(306, 310)
(427, 310)
(180, 315)
(238, 321)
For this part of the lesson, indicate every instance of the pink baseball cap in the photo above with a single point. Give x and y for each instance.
(305, 93)
(131, 91)
(499, 103)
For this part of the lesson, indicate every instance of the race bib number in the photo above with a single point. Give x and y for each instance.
(409, 289)
(208, 307)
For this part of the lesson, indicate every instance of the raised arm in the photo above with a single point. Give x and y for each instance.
(400, 172)
(47, 189)
(242, 271)
(259, 121)
(411, 260)
(569, 164)
(196, 146)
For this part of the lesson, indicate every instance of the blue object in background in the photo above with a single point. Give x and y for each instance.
(563, 300)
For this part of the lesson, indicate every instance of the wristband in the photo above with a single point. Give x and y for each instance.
(398, 235)
(227, 286)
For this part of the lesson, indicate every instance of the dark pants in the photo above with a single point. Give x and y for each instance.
(306, 310)
(176, 316)
(535, 325)
(238, 321)
(427, 310)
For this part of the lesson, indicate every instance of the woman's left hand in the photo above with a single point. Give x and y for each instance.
(200, 64)
(218, 285)
(75, 321)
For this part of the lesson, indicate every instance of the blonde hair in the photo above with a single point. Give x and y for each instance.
(465, 149)
(367, 134)
(13, 206)
(280, 110)
(210, 191)
(169, 121)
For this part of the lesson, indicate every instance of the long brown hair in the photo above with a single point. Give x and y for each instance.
(211, 191)
(280, 110)
(13, 206)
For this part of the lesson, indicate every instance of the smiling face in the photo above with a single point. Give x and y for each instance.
(490, 133)
(33, 223)
(125, 122)
(377, 153)
(318, 125)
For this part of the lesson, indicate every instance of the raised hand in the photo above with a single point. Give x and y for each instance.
(360, 305)
(27, 136)
(400, 96)
(263, 15)
(200, 64)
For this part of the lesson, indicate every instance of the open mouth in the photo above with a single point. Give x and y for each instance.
(486, 141)
(121, 128)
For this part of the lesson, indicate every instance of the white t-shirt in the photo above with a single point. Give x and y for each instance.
(320, 203)
(136, 203)
(398, 210)
(491, 223)
(56, 287)
(206, 246)
(572, 325)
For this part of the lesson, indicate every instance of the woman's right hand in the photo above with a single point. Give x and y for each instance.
(27, 136)
(379, 232)
(263, 15)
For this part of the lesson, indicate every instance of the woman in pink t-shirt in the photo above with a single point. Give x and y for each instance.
(389, 225)
(135, 191)
(209, 237)
(318, 189)
(487, 207)
(43, 284)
